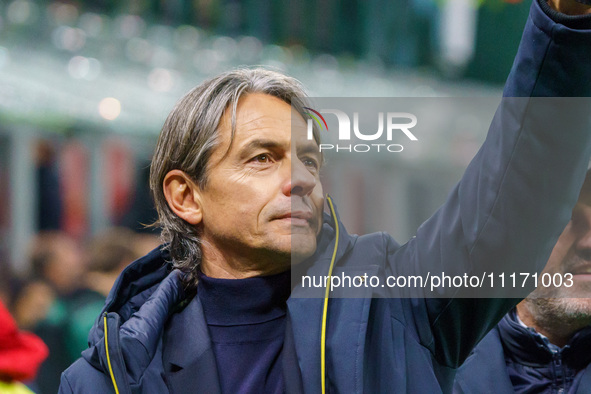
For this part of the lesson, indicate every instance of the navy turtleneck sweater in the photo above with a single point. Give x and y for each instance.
(537, 366)
(246, 322)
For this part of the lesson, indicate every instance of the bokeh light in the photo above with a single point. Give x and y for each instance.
(225, 47)
(131, 26)
(109, 108)
(69, 38)
(80, 67)
(92, 24)
(62, 13)
(138, 50)
(249, 49)
(161, 80)
(21, 12)
(186, 37)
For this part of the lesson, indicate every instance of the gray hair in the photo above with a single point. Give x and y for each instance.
(188, 138)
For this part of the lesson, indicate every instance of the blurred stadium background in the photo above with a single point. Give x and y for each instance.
(86, 85)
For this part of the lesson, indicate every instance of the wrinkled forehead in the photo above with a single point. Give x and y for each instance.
(299, 126)
(271, 113)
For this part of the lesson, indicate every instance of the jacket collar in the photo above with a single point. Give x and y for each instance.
(188, 356)
(136, 338)
(527, 347)
(530, 348)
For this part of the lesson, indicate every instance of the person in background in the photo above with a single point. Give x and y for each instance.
(80, 294)
(21, 353)
(56, 259)
(107, 254)
(56, 271)
(32, 303)
(544, 344)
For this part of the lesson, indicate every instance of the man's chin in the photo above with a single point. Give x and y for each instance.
(563, 309)
(302, 247)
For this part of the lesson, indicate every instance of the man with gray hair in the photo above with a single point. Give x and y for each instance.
(237, 187)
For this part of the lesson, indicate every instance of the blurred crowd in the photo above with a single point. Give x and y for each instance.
(58, 298)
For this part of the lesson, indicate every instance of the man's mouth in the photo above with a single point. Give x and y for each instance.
(298, 218)
(581, 271)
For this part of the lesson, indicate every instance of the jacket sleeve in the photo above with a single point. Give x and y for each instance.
(517, 194)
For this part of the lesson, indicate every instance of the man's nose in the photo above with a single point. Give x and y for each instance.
(300, 181)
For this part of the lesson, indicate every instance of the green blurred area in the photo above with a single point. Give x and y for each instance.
(399, 33)
(498, 35)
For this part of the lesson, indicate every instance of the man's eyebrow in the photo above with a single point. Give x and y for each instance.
(261, 143)
(306, 148)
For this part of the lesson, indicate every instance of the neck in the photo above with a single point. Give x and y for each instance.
(551, 318)
(217, 264)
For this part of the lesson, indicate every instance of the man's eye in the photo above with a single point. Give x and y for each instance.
(311, 163)
(262, 158)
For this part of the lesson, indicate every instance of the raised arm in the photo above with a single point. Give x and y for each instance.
(517, 194)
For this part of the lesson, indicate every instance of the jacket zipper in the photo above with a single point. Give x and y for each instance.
(326, 297)
(108, 357)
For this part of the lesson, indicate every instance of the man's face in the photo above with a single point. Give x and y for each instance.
(571, 256)
(263, 199)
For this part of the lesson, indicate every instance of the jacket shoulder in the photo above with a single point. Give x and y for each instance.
(81, 377)
(374, 247)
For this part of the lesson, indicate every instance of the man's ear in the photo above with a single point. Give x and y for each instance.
(182, 196)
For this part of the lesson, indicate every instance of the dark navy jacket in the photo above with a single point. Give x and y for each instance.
(510, 206)
(485, 370)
